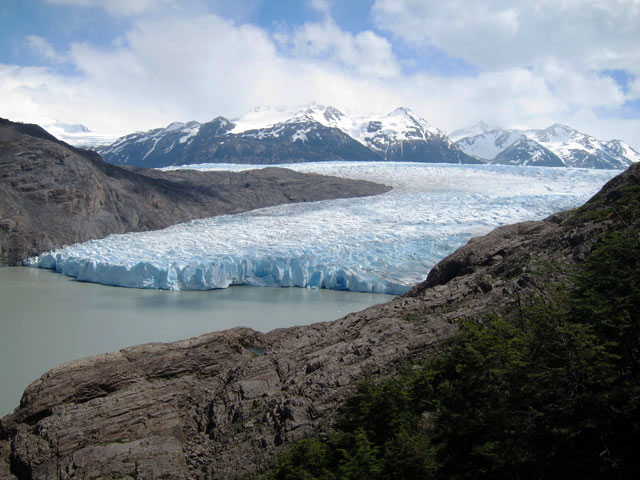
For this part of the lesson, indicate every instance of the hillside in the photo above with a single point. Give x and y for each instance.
(54, 194)
(222, 404)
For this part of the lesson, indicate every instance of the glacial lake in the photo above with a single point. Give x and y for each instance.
(47, 319)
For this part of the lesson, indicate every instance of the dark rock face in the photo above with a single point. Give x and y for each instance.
(54, 194)
(222, 404)
(433, 150)
(294, 141)
(289, 142)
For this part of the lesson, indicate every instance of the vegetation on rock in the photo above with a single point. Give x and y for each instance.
(550, 389)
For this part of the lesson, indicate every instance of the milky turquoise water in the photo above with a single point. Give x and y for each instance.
(48, 319)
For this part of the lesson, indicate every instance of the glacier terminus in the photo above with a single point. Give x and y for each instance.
(381, 244)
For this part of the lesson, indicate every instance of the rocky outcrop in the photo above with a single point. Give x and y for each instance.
(54, 194)
(221, 404)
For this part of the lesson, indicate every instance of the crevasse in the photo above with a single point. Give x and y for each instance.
(382, 244)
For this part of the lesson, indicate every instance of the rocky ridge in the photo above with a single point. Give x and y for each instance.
(54, 194)
(222, 404)
(309, 133)
(555, 146)
(306, 134)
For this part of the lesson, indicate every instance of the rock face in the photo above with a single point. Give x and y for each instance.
(294, 141)
(54, 194)
(221, 404)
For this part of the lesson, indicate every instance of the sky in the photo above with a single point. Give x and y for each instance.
(119, 66)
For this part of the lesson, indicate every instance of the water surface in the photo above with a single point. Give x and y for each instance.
(48, 319)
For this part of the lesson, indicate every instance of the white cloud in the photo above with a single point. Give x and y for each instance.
(495, 34)
(194, 68)
(323, 6)
(42, 48)
(367, 53)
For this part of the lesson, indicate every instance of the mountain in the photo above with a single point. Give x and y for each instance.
(72, 128)
(299, 139)
(54, 194)
(624, 149)
(477, 129)
(77, 134)
(575, 149)
(489, 144)
(221, 405)
(527, 152)
(401, 135)
(269, 135)
(578, 149)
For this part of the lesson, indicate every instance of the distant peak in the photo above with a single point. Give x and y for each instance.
(560, 126)
(71, 128)
(484, 127)
(401, 110)
(174, 126)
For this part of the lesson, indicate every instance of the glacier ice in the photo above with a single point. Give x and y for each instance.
(382, 244)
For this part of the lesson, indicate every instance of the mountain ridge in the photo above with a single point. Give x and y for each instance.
(573, 148)
(272, 135)
(309, 133)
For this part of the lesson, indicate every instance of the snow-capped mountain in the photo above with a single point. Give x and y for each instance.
(573, 148)
(298, 139)
(401, 135)
(76, 134)
(527, 152)
(397, 136)
(161, 144)
(489, 144)
(263, 117)
(272, 135)
(268, 135)
(477, 129)
(577, 149)
(624, 149)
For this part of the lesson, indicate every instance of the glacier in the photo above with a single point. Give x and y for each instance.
(380, 244)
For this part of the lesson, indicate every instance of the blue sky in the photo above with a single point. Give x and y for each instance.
(123, 65)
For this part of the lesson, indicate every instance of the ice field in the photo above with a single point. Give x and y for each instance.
(382, 244)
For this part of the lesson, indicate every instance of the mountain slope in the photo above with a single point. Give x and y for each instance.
(527, 152)
(577, 149)
(489, 144)
(477, 129)
(293, 141)
(401, 135)
(573, 148)
(289, 135)
(54, 194)
(624, 149)
(222, 404)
